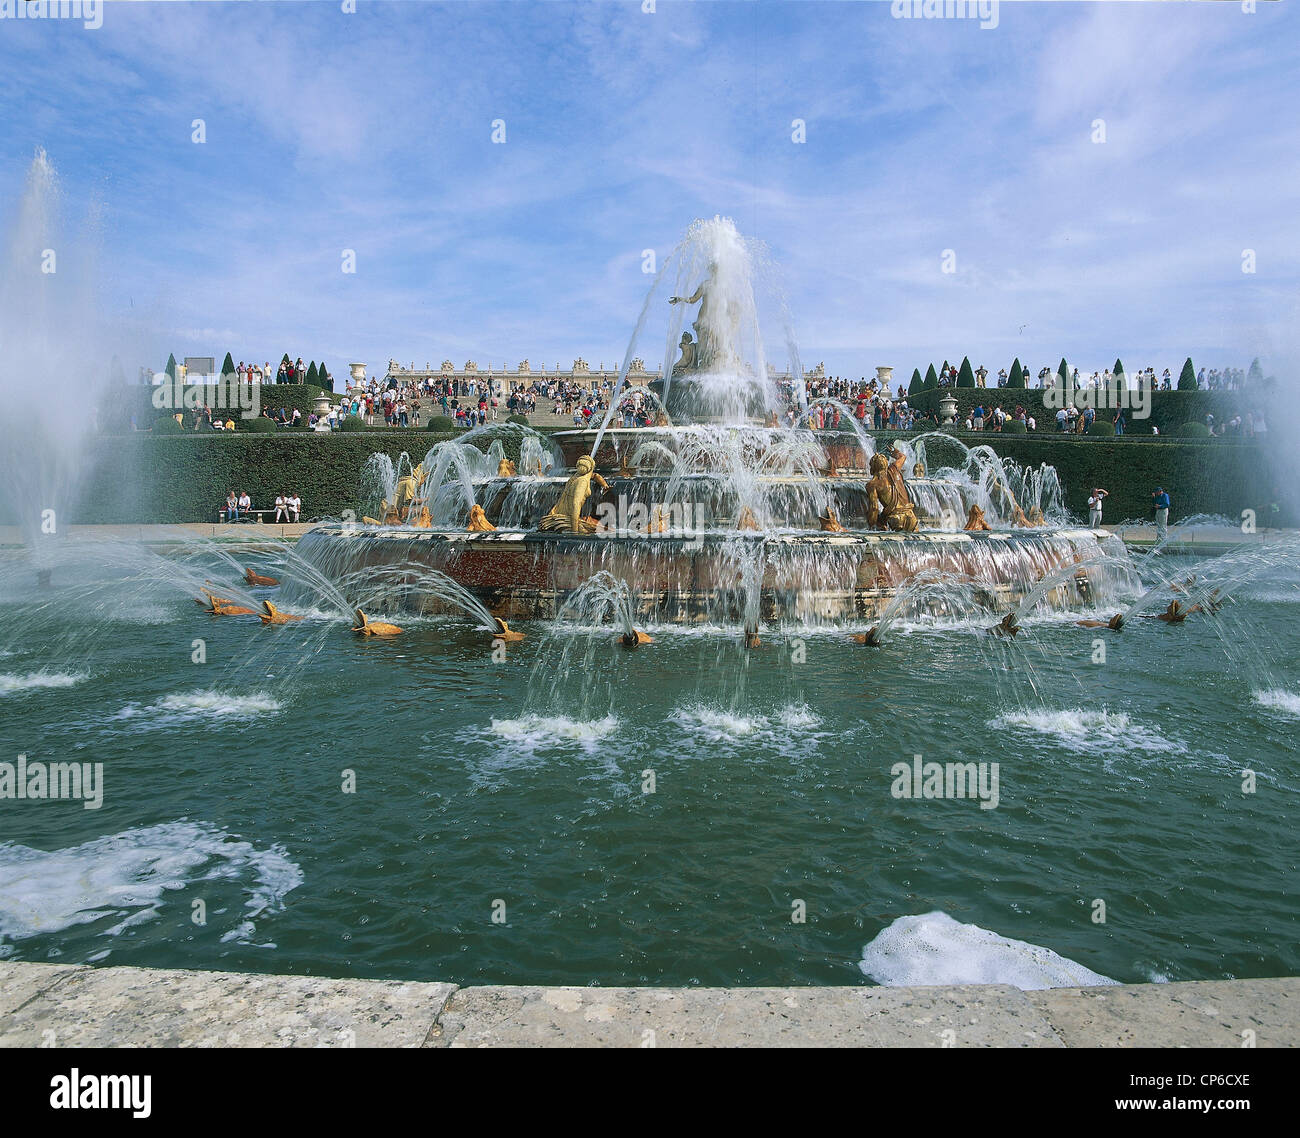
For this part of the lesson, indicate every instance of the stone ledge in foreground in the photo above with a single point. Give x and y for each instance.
(147, 1007)
(1206, 1013)
(142, 1007)
(991, 1015)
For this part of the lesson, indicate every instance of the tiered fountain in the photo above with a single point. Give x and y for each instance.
(719, 512)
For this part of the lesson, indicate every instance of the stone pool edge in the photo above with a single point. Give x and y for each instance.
(76, 1005)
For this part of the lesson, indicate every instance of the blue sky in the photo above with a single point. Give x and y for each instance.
(371, 131)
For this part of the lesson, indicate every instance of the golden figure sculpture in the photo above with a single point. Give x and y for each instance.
(504, 632)
(257, 578)
(889, 505)
(395, 513)
(220, 606)
(1115, 623)
(918, 471)
(478, 522)
(658, 522)
(367, 627)
(566, 515)
(209, 598)
(661, 420)
(505, 468)
(870, 638)
(272, 615)
(625, 470)
(634, 639)
(771, 421)
(746, 519)
(1174, 614)
(1007, 626)
(830, 523)
(975, 521)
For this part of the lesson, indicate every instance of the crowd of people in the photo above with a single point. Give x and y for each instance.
(289, 371)
(473, 402)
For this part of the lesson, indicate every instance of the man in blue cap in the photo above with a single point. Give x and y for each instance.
(1161, 500)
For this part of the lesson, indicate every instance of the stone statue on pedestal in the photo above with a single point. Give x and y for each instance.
(690, 356)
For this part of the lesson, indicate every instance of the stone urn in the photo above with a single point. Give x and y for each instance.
(321, 405)
(884, 375)
(358, 374)
(947, 410)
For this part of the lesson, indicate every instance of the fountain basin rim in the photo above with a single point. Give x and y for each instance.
(346, 530)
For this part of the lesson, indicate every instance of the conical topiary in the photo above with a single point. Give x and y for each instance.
(917, 382)
(227, 366)
(171, 365)
(1017, 376)
(931, 379)
(1187, 377)
(1256, 373)
(1120, 381)
(965, 376)
(311, 373)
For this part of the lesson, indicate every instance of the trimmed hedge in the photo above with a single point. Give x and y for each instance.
(353, 423)
(1102, 429)
(444, 423)
(1214, 476)
(1193, 431)
(143, 478)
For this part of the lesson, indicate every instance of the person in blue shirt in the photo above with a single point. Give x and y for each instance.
(1161, 501)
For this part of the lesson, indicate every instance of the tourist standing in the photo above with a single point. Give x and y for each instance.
(1094, 507)
(1161, 500)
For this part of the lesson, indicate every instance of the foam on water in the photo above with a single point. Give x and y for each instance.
(935, 949)
(1089, 731)
(793, 723)
(546, 732)
(15, 684)
(210, 704)
(125, 876)
(1279, 701)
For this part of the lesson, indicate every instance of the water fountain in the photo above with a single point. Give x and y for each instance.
(813, 524)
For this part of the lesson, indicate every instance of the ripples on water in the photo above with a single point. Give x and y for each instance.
(651, 817)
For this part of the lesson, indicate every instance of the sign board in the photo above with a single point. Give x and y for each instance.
(196, 366)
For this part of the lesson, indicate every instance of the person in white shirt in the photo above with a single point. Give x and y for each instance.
(1094, 507)
(245, 503)
(281, 509)
(295, 506)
